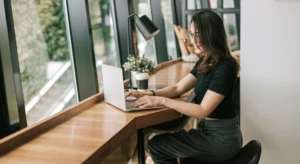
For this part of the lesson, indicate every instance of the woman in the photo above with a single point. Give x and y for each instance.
(218, 136)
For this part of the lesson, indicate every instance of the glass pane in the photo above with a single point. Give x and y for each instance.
(147, 48)
(168, 20)
(198, 4)
(188, 21)
(213, 4)
(191, 4)
(103, 36)
(231, 31)
(228, 4)
(46, 71)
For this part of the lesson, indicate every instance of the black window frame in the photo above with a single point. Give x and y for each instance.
(11, 85)
(10, 79)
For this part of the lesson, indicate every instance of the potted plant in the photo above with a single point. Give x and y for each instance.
(138, 65)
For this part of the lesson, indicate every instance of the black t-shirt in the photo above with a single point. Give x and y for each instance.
(221, 79)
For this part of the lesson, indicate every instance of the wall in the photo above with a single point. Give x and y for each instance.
(270, 78)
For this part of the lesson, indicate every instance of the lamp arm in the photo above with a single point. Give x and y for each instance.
(130, 41)
(129, 34)
(136, 16)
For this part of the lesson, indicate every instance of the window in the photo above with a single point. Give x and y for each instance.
(44, 60)
(168, 20)
(188, 21)
(193, 5)
(213, 4)
(231, 31)
(104, 42)
(228, 4)
(147, 48)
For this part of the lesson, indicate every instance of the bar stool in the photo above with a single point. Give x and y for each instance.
(249, 154)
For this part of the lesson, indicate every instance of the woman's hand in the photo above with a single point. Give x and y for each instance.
(135, 94)
(148, 101)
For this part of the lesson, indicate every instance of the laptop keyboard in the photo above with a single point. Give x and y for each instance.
(129, 107)
(128, 104)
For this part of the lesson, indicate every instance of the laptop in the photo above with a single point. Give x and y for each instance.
(114, 92)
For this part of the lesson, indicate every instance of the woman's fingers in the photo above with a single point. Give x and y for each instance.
(126, 94)
(140, 101)
(144, 106)
(132, 93)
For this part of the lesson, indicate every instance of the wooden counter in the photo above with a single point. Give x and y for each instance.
(89, 131)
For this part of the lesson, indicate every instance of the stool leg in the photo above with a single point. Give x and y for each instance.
(141, 147)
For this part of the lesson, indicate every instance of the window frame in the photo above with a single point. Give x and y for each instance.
(81, 42)
(12, 94)
(84, 66)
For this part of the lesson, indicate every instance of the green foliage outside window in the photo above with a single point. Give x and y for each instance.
(53, 25)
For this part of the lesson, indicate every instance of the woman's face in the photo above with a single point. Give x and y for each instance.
(195, 39)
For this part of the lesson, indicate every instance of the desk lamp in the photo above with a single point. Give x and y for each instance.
(146, 27)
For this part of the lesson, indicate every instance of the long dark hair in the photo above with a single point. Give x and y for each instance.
(213, 40)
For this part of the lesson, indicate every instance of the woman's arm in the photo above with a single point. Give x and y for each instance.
(172, 91)
(209, 103)
(184, 85)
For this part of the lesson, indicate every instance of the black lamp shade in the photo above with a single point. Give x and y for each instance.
(146, 27)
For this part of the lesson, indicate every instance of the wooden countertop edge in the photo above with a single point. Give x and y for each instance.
(137, 123)
(23, 136)
(108, 147)
(104, 150)
(16, 139)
